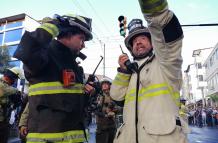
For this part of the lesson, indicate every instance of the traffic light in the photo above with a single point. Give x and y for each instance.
(122, 25)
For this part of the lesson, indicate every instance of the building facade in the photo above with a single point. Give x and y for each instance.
(194, 83)
(11, 30)
(211, 76)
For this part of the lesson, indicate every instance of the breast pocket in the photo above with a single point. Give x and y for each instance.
(145, 76)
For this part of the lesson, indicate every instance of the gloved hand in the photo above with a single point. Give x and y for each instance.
(110, 114)
(23, 131)
(53, 25)
(50, 20)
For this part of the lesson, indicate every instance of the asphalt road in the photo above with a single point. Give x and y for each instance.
(203, 135)
(197, 135)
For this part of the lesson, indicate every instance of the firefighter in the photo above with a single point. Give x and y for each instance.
(151, 87)
(57, 94)
(105, 115)
(10, 98)
(183, 110)
(23, 123)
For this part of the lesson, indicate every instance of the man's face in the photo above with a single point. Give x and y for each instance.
(76, 42)
(105, 87)
(8, 80)
(141, 45)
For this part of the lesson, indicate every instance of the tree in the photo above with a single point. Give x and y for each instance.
(4, 58)
(214, 98)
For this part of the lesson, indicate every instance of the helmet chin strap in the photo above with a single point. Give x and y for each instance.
(150, 53)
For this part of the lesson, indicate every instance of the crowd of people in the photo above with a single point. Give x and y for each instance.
(201, 117)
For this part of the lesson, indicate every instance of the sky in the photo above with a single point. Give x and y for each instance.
(105, 27)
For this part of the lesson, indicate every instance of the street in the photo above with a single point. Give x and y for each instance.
(198, 135)
(203, 135)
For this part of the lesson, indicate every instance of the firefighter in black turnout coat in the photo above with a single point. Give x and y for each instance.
(56, 94)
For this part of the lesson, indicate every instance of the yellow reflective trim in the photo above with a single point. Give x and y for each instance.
(51, 28)
(132, 98)
(152, 87)
(55, 137)
(176, 97)
(69, 141)
(122, 79)
(151, 91)
(43, 84)
(54, 92)
(181, 112)
(120, 83)
(57, 142)
(157, 93)
(130, 94)
(150, 2)
(54, 88)
(123, 76)
(34, 142)
(155, 9)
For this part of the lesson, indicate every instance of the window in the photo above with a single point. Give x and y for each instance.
(15, 63)
(212, 83)
(12, 49)
(200, 77)
(13, 35)
(1, 27)
(206, 65)
(217, 54)
(211, 61)
(14, 24)
(189, 77)
(199, 65)
(190, 86)
(216, 78)
(1, 38)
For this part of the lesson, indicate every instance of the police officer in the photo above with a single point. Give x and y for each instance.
(10, 98)
(151, 88)
(105, 115)
(56, 94)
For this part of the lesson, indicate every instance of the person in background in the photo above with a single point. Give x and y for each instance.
(105, 114)
(10, 98)
(23, 123)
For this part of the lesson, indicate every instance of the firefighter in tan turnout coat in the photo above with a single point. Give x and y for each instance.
(151, 90)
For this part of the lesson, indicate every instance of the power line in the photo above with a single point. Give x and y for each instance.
(98, 15)
(79, 7)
